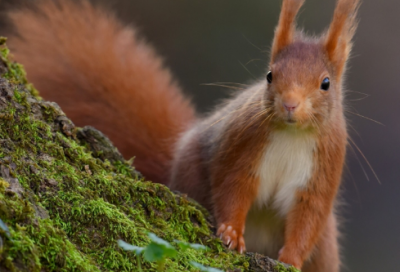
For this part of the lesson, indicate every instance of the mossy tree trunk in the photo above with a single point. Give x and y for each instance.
(67, 196)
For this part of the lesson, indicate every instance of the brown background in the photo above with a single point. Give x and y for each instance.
(206, 41)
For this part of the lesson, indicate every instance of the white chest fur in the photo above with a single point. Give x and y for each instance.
(286, 166)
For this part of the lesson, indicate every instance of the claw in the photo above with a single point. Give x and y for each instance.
(231, 237)
(221, 229)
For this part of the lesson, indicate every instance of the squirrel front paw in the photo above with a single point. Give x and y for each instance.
(232, 237)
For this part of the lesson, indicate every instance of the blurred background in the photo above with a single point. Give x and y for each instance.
(209, 41)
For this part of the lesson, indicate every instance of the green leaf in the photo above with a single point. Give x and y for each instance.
(128, 247)
(158, 249)
(205, 268)
(185, 245)
(156, 252)
(157, 240)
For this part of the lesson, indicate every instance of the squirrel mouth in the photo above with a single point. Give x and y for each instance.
(291, 121)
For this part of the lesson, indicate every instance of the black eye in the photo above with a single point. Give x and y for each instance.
(269, 77)
(326, 83)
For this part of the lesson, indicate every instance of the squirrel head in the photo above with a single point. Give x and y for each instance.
(304, 82)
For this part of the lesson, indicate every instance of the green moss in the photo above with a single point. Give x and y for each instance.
(66, 209)
(281, 268)
(15, 72)
(36, 244)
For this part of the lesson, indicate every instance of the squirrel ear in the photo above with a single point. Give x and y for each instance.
(338, 41)
(285, 30)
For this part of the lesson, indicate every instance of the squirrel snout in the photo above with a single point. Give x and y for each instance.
(290, 107)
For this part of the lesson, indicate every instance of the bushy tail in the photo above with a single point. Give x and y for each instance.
(102, 75)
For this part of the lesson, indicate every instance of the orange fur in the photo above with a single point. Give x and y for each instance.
(285, 31)
(315, 203)
(233, 181)
(219, 160)
(338, 41)
(103, 75)
(231, 141)
(325, 257)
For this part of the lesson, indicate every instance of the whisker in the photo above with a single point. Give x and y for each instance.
(248, 105)
(223, 86)
(367, 95)
(269, 117)
(252, 120)
(359, 99)
(358, 134)
(353, 180)
(251, 43)
(229, 113)
(266, 110)
(219, 120)
(359, 162)
(233, 83)
(250, 61)
(367, 118)
(250, 102)
(247, 70)
(365, 158)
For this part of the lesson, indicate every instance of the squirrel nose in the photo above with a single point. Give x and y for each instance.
(290, 107)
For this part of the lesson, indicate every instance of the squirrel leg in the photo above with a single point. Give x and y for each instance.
(232, 200)
(326, 254)
(304, 227)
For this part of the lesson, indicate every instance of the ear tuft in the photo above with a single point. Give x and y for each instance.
(338, 41)
(286, 28)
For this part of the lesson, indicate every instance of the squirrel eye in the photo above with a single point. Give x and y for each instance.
(326, 83)
(269, 77)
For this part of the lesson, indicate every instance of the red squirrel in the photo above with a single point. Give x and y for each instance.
(267, 164)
